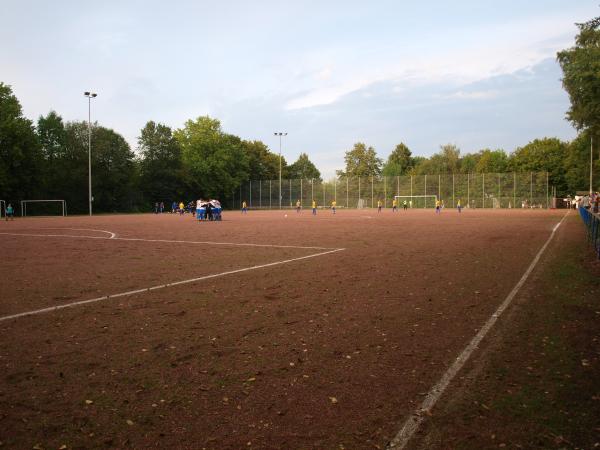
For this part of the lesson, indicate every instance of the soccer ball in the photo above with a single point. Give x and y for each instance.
(285, 215)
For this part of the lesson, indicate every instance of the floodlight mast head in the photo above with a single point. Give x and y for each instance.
(90, 94)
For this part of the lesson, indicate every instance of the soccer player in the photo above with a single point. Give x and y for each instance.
(458, 206)
(298, 207)
(438, 206)
(333, 203)
(10, 212)
(200, 210)
(314, 207)
(405, 205)
(181, 208)
(394, 205)
(244, 207)
(173, 207)
(378, 206)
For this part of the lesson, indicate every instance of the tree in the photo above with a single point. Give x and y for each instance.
(304, 168)
(547, 155)
(577, 165)
(52, 138)
(399, 162)
(492, 161)
(162, 176)
(581, 69)
(445, 161)
(215, 160)
(262, 164)
(361, 162)
(20, 155)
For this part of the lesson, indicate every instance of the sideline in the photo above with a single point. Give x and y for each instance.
(162, 286)
(168, 241)
(411, 425)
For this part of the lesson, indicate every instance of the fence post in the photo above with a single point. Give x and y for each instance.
(530, 190)
(323, 194)
(335, 190)
(301, 193)
(483, 189)
(514, 189)
(499, 204)
(358, 190)
(290, 192)
(347, 195)
(270, 205)
(425, 198)
(547, 190)
(260, 194)
(469, 189)
(411, 190)
(312, 190)
(385, 192)
(453, 202)
(372, 198)
(250, 194)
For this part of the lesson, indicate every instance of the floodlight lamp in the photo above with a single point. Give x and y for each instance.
(86, 94)
(94, 95)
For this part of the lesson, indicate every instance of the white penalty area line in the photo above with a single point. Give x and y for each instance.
(162, 286)
(114, 237)
(411, 425)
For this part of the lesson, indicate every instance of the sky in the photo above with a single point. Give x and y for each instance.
(474, 73)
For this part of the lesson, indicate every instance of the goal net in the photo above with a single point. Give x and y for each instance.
(43, 208)
(416, 201)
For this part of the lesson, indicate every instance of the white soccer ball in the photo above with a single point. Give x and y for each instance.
(285, 215)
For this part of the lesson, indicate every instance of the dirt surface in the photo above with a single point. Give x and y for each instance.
(327, 352)
(535, 382)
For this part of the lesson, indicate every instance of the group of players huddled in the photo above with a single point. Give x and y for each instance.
(200, 209)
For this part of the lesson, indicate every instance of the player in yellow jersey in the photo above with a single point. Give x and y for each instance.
(244, 207)
(314, 207)
(181, 208)
(458, 206)
(333, 204)
(394, 205)
(378, 206)
(298, 207)
(438, 206)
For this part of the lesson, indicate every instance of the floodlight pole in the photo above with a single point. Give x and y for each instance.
(280, 134)
(90, 96)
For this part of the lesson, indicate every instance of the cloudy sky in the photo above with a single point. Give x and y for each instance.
(475, 73)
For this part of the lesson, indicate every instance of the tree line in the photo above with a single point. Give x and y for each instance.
(49, 158)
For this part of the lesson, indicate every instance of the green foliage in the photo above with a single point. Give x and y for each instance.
(491, 161)
(577, 165)
(20, 154)
(581, 69)
(447, 160)
(304, 168)
(263, 164)
(543, 155)
(361, 162)
(216, 161)
(162, 177)
(399, 162)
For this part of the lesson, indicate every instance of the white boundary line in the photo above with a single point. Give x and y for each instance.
(411, 425)
(162, 286)
(114, 238)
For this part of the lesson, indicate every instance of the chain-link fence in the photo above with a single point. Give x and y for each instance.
(477, 190)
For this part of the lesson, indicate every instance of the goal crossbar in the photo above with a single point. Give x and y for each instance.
(413, 197)
(25, 202)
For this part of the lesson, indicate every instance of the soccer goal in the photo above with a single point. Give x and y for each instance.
(416, 201)
(44, 207)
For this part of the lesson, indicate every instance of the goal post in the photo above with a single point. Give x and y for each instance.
(416, 201)
(62, 205)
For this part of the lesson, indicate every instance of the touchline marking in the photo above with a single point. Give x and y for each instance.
(162, 286)
(114, 238)
(411, 425)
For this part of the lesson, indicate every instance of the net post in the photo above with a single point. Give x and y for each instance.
(425, 203)
(384, 192)
(530, 189)
(411, 191)
(22, 209)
